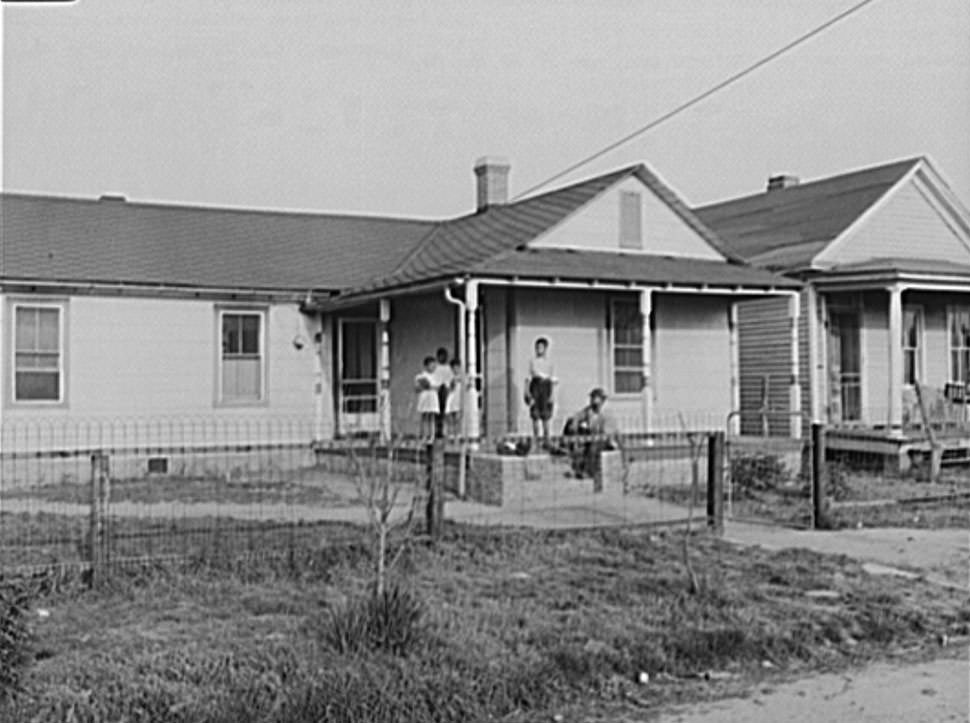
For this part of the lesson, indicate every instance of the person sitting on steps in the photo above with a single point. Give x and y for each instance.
(598, 430)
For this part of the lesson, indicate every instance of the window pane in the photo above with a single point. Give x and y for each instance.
(909, 367)
(37, 361)
(230, 334)
(240, 379)
(26, 329)
(628, 357)
(47, 329)
(965, 366)
(250, 334)
(37, 386)
(627, 382)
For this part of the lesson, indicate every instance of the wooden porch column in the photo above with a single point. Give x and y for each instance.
(794, 388)
(384, 390)
(815, 368)
(895, 416)
(646, 391)
(734, 425)
(472, 415)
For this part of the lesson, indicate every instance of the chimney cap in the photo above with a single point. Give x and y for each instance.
(497, 162)
(116, 197)
(782, 180)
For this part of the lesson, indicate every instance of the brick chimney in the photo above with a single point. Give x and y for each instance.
(783, 180)
(492, 173)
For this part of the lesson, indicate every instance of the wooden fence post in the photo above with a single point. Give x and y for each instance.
(715, 482)
(436, 480)
(818, 476)
(98, 533)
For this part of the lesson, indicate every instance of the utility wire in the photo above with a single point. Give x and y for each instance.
(698, 98)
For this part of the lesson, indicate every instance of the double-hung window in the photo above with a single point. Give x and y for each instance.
(627, 340)
(959, 338)
(912, 343)
(38, 356)
(242, 363)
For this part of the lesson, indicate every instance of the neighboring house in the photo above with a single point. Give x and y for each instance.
(885, 255)
(114, 311)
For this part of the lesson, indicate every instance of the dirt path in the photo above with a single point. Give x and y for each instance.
(939, 555)
(930, 692)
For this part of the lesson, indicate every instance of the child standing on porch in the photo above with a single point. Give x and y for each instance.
(453, 405)
(428, 404)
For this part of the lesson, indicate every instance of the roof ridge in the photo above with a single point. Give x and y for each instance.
(202, 208)
(908, 162)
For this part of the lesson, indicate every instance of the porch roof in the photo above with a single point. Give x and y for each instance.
(925, 273)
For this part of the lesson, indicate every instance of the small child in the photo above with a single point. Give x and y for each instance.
(428, 405)
(453, 404)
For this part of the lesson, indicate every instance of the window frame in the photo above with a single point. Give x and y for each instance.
(919, 350)
(262, 313)
(613, 304)
(952, 311)
(60, 305)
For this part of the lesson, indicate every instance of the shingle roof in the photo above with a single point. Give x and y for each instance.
(65, 239)
(633, 268)
(458, 246)
(785, 229)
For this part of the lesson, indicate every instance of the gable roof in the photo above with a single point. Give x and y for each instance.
(113, 241)
(785, 229)
(463, 244)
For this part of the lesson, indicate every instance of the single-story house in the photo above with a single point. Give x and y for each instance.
(884, 253)
(235, 319)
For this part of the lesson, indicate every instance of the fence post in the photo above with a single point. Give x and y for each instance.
(715, 482)
(98, 532)
(818, 476)
(436, 479)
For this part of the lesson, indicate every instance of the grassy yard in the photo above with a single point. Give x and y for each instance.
(515, 626)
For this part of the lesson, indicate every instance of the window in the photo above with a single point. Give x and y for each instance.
(631, 220)
(627, 337)
(38, 358)
(241, 368)
(912, 336)
(959, 328)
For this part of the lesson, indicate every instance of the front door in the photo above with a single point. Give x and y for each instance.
(357, 401)
(845, 367)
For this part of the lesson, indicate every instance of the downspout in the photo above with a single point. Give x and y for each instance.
(463, 354)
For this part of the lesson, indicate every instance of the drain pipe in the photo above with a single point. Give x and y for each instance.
(463, 355)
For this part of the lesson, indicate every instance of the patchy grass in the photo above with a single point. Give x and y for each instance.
(516, 625)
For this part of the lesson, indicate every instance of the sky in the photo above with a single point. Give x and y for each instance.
(383, 107)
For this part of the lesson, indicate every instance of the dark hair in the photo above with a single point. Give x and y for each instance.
(428, 360)
(454, 361)
(542, 340)
(442, 352)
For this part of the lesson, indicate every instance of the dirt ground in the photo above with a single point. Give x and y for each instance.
(927, 692)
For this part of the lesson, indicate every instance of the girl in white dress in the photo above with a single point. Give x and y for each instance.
(428, 403)
(453, 405)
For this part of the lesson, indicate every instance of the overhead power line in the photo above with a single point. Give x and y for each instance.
(702, 96)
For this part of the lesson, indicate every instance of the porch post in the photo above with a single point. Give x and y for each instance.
(384, 390)
(895, 420)
(794, 388)
(814, 367)
(471, 413)
(734, 425)
(646, 390)
(324, 332)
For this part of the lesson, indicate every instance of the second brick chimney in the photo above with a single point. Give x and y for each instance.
(492, 173)
(782, 180)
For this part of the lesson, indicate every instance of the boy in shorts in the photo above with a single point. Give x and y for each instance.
(539, 386)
